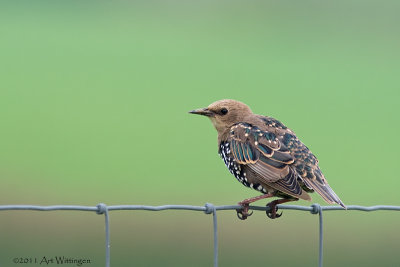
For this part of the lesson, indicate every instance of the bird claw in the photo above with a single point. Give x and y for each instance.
(273, 208)
(272, 216)
(243, 213)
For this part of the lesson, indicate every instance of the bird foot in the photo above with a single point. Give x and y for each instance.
(273, 208)
(243, 213)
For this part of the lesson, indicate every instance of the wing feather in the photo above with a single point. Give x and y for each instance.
(306, 165)
(279, 159)
(263, 153)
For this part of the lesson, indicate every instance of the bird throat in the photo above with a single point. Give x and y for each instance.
(220, 128)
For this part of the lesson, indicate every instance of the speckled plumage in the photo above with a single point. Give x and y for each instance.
(263, 154)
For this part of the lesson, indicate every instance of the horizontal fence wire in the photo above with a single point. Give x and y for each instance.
(208, 208)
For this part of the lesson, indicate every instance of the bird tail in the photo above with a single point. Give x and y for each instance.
(325, 191)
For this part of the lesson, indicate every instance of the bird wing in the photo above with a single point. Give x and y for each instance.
(267, 156)
(306, 165)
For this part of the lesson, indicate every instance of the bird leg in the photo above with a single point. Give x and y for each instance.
(271, 213)
(243, 213)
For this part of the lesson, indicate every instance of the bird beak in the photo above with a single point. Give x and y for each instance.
(202, 111)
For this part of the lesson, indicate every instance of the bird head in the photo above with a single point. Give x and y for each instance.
(224, 113)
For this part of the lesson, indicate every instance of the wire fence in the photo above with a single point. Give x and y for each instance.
(207, 208)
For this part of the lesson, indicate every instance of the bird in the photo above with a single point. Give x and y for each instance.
(265, 155)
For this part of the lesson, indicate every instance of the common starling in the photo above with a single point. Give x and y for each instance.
(265, 155)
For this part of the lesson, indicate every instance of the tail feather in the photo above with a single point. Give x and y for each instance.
(325, 191)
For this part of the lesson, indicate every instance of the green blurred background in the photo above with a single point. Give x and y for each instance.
(93, 108)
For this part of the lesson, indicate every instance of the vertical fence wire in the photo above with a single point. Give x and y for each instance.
(210, 208)
(103, 209)
(318, 209)
(207, 208)
(215, 238)
(321, 238)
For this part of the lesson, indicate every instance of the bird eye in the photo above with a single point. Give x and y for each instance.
(224, 111)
